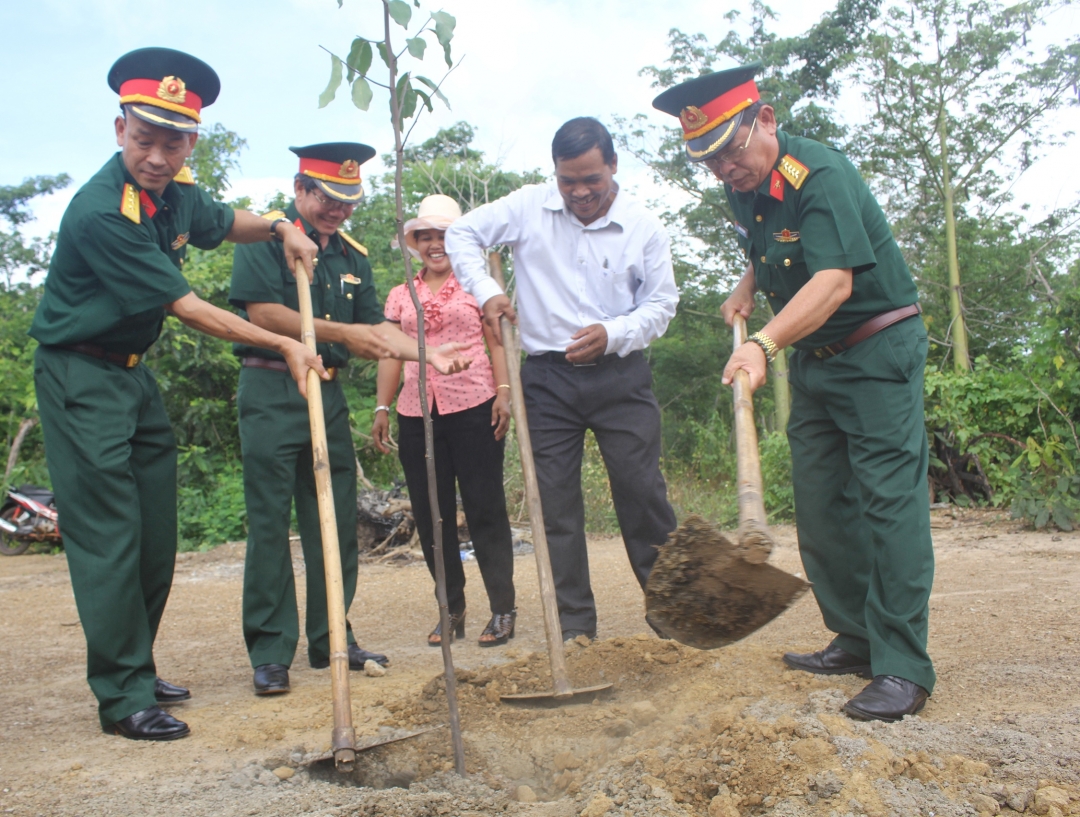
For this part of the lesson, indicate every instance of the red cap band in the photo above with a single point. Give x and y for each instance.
(697, 121)
(347, 172)
(169, 93)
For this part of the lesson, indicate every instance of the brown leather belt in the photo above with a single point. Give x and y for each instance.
(128, 361)
(868, 329)
(277, 365)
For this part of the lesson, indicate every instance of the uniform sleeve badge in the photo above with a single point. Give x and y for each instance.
(180, 241)
(786, 236)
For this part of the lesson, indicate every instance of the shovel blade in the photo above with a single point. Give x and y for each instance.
(702, 593)
(541, 697)
(366, 744)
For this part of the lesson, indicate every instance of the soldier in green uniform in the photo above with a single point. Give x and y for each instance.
(110, 451)
(275, 433)
(820, 249)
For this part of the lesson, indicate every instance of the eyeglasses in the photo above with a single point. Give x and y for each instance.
(331, 206)
(732, 155)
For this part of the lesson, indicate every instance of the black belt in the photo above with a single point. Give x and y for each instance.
(868, 329)
(560, 357)
(128, 361)
(277, 365)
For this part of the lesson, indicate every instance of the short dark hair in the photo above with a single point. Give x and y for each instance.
(579, 136)
(307, 183)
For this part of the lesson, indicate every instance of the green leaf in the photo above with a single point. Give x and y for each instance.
(425, 97)
(408, 103)
(417, 46)
(335, 80)
(361, 93)
(434, 89)
(444, 31)
(400, 12)
(1042, 517)
(359, 59)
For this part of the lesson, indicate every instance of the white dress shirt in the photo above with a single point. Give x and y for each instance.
(615, 271)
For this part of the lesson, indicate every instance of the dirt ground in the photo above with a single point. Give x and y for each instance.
(723, 733)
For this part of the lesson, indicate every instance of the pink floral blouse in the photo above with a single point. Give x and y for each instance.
(450, 316)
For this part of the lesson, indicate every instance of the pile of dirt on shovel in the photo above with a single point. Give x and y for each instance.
(686, 732)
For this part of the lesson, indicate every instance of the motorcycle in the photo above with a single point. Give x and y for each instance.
(28, 515)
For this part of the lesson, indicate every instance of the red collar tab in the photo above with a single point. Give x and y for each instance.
(776, 185)
(347, 172)
(697, 121)
(170, 93)
(147, 203)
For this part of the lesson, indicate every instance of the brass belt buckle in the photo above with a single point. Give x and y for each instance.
(132, 361)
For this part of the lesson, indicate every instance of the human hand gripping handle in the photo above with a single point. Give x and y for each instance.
(495, 309)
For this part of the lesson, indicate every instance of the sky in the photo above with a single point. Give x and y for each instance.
(529, 65)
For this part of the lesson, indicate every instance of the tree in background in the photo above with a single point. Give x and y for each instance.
(962, 106)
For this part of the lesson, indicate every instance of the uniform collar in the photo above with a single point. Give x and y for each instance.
(171, 195)
(781, 143)
(615, 214)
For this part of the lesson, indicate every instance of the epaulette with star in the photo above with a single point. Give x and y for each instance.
(793, 170)
(274, 215)
(129, 204)
(352, 242)
(184, 176)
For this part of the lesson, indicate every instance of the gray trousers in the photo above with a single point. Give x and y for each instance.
(615, 400)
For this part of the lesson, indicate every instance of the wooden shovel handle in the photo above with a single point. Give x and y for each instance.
(343, 741)
(559, 674)
(755, 540)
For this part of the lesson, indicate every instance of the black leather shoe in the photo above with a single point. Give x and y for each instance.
(830, 661)
(271, 679)
(887, 698)
(166, 693)
(357, 657)
(152, 723)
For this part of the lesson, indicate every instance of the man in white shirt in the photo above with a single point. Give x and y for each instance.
(595, 287)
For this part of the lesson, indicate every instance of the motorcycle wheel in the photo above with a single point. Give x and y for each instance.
(9, 545)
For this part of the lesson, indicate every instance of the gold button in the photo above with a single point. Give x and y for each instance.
(763, 259)
(787, 262)
(328, 317)
(757, 218)
(328, 286)
(772, 294)
(348, 295)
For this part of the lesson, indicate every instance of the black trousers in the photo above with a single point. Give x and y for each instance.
(614, 399)
(467, 452)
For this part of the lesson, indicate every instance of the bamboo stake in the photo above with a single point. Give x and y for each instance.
(754, 536)
(343, 741)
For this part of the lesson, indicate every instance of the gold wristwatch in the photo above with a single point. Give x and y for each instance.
(767, 344)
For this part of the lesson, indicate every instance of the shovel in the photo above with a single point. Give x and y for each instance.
(705, 591)
(563, 691)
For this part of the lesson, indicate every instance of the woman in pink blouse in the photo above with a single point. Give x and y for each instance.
(470, 414)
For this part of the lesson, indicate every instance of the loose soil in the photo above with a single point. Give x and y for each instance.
(723, 733)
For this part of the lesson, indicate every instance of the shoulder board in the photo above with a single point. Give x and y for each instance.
(184, 176)
(352, 242)
(129, 204)
(793, 170)
(274, 215)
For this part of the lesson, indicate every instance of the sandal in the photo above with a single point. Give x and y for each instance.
(457, 628)
(501, 626)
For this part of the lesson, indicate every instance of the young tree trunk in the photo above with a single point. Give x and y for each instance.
(961, 360)
(13, 455)
(781, 390)
(429, 438)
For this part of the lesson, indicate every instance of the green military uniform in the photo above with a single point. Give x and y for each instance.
(858, 440)
(276, 441)
(857, 433)
(110, 450)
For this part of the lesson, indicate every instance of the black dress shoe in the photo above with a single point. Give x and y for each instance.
(357, 657)
(152, 723)
(271, 679)
(887, 698)
(166, 693)
(830, 661)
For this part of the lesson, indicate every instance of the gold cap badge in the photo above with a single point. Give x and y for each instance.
(350, 169)
(693, 117)
(172, 89)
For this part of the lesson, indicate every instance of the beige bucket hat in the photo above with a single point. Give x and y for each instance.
(436, 212)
